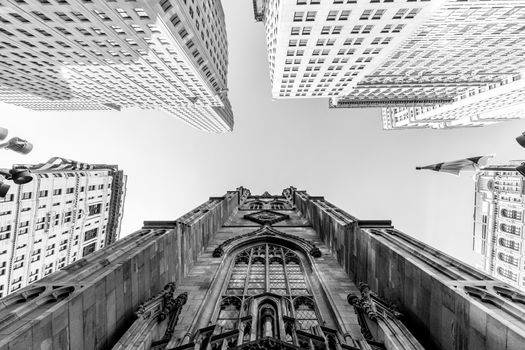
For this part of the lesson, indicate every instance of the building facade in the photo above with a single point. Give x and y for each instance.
(409, 55)
(498, 223)
(479, 106)
(68, 211)
(285, 271)
(107, 55)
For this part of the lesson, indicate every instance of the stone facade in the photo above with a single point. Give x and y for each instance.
(498, 223)
(69, 210)
(368, 286)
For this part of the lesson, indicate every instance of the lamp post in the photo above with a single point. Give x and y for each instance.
(521, 169)
(18, 174)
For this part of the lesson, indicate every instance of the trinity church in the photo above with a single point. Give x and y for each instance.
(246, 271)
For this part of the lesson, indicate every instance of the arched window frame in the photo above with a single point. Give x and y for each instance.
(508, 258)
(513, 276)
(510, 244)
(252, 298)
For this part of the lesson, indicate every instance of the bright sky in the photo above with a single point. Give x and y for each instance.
(341, 154)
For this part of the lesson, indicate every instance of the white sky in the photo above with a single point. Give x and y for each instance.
(341, 154)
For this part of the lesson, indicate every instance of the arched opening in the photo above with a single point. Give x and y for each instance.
(267, 294)
(267, 316)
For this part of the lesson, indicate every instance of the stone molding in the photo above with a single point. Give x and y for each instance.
(266, 232)
(266, 217)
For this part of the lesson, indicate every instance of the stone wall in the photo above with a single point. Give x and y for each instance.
(91, 303)
(447, 304)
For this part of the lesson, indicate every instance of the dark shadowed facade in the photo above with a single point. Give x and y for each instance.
(287, 271)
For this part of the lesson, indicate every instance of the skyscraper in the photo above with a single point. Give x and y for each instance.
(390, 54)
(478, 106)
(102, 55)
(68, 211)
(498, 223)
(244, 271)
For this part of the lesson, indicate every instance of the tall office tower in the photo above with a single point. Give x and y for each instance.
(478, 106)
(67, 212)
(498, 223)
(287, 271)
(385, 54)
(101, 55)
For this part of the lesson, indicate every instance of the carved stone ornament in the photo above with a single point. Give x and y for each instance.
(266, 195)
(267, 231)
(267, 344)
(266, 217)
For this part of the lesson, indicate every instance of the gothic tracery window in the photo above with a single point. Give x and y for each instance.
(267, 283)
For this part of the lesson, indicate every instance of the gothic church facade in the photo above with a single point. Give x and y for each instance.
(243, 271)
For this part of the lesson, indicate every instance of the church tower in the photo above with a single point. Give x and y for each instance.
(245, 271)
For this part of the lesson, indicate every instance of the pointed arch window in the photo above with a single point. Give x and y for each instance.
(268, 286)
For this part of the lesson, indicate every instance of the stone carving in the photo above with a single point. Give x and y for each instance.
(510, 294)
(266, 195)
(315, 252)
(172, 309)
(156, 309)
(484, 295)
(266, 217)
(367, 304)
(267, 344)
(267, 231)
(380, 321)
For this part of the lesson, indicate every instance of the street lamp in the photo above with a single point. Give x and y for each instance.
(4, 188)
(521, 140)
(19, 175)
(521, 169)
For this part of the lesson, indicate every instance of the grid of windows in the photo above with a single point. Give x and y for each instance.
(112, 56)
(48, 232)
(409, 57)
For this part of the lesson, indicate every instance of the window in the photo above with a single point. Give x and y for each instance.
(26, 195)
(510, 229)
(507, 243)
(57, 192)
(267, 268)
(90, 248)
(94, 209)
(298, 16)
(310, 16)
(510, 259)
(90, 234)
(166, 5)
(507, 274)
(332, 15)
